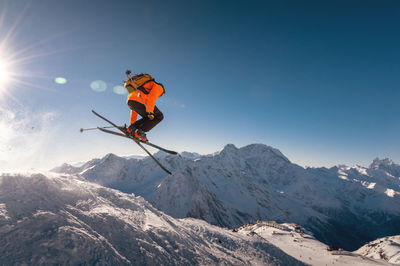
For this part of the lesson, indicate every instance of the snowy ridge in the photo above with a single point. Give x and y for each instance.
(343, 206)
(64, 219)
(303, 246)
(386, 165)
(387, 248)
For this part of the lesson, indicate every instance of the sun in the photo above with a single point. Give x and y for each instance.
(20, 60)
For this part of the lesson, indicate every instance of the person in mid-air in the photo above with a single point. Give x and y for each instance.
(143, 93)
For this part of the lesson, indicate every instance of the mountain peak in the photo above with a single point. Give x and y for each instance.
(160, 154)
(229, 148)
(386, 165)
(190, 155)
(381, 162)
(64, 168)
(251, 150)
(110, 156)
(265, 150)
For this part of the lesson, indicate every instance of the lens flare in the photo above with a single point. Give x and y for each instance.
(119, 90)
(98, 85)
(60, 80)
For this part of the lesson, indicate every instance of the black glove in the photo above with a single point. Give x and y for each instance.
(150, 116)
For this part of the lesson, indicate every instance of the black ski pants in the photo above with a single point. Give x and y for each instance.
(145, 123)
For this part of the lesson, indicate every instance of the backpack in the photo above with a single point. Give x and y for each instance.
(141, 79)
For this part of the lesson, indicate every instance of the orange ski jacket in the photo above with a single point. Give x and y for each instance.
(154, 91)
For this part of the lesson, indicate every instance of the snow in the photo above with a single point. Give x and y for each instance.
(344, 206)
(386, 165)
(63, 219)
(190, 155)
(387, 248)
(390, 192)
(303, 246)
(3, 212)
(99, 212)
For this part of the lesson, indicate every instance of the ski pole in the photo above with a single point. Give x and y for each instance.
(147, 109)
(84, 129)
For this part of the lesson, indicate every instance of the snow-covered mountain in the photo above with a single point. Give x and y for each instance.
(64, 219)
(343, 206)
(387, 248)
(302, 245)
(386, 165)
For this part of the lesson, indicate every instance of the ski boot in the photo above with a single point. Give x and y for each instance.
(140, 135)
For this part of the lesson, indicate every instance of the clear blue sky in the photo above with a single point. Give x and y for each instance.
(319, 80)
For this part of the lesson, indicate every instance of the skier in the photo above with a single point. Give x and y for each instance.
(143, 94)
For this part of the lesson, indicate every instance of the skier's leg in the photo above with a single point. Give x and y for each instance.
(149, 124)
(141, 110)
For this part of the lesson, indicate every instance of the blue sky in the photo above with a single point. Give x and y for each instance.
(319, 80)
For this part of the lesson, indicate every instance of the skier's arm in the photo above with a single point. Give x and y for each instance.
(151, 99)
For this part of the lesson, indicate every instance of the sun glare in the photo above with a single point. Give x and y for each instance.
(4, 73)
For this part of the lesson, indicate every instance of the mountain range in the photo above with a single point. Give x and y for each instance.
(63, 219)
(343, 206)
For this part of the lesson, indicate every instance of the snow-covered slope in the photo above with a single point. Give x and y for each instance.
(386, 165)
(303, 246)
(343, 206)
(64, 219)
(387, 248)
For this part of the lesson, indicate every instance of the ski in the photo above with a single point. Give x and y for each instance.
(131, 137)
(134, 139)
